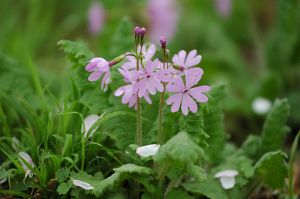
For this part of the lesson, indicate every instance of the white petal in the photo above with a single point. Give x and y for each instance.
(83, 185)
(148, 150)
(25, 157)
(227, 182)
(261, 105)
(227, 173)
(89, 121)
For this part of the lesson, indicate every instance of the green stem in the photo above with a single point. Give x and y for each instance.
(291, 164)
(160, 136)
(139, 133)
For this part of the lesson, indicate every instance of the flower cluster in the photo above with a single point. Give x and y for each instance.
(145, 75)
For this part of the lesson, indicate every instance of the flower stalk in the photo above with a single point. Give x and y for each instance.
(160, 136)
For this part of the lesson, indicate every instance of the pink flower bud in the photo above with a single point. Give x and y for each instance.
(137, 30)
(163, 42)
(142, 32)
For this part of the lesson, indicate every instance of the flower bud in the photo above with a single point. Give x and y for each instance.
(142, 32)
(137, 30)
(163, 42)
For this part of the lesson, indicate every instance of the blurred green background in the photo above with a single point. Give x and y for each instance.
(252, 45)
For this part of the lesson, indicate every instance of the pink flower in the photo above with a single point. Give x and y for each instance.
(147, 53)
(224, 7)
(148, 80)
(129, 97)
(163, 18)
(99, 67)
(96, 17)
(185, 95)
(185, 61)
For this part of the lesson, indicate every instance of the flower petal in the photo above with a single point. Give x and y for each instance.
(176, 85)
(181, 57)
(193, 76)
(89, 121)
(227, 182)
(191, 104)
(148, 150)
(192, 59)
(94, 76)
(175, 100)
(83, 185)
(197, 93)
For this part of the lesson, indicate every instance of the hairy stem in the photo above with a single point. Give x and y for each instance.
(139, 133)
(160, 136)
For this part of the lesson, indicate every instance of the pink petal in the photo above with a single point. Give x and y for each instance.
(197, 93)
(176, 85)
(193, 76)
(184, 104)
(147, 98)
(149, 53)
(143, 88)
(192, 59)
(181, 57)
(175, 100)
(175, 60)
(94, 76)
(191, 104)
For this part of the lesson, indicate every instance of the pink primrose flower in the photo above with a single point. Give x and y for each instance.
(99, 67)
(185, 95)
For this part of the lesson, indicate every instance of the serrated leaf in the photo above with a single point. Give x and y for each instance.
(118, 176)
(272, 169)
(210, 188)
(180, 148)
(62, 174)
(132, 168)
(77, 52)
(274, 129)
(64, 188)
(197, 172)
(214, 123)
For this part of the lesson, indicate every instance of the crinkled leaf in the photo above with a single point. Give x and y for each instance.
(210, 188)
(274, 129)
(272, 169)
(251, 145)
(214, 123)
(180, 148)
(62, 174)
(64, 188)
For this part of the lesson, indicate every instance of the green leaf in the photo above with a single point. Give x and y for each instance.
(62, 174)
(272, 169)
(180, 148)
(123, 38)
(274, 129)
(132, 168)
(251, 145)
(77, 52)
(197, 172)
(121, 173)
(214, 123)
(178, 194)
(209, 188)
(64, 188)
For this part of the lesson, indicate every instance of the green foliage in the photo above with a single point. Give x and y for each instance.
(210, 188)
(272, 169)
(274, 129)
(178, 194)
(77, 52)
(214, 123)
(64, 188)
(180, 148)
(62, 174)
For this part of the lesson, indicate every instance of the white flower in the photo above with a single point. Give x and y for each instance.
(227, 178)
(261, 105)
(89, 121)
(148, 150)
(83, 185)
(25, 157)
